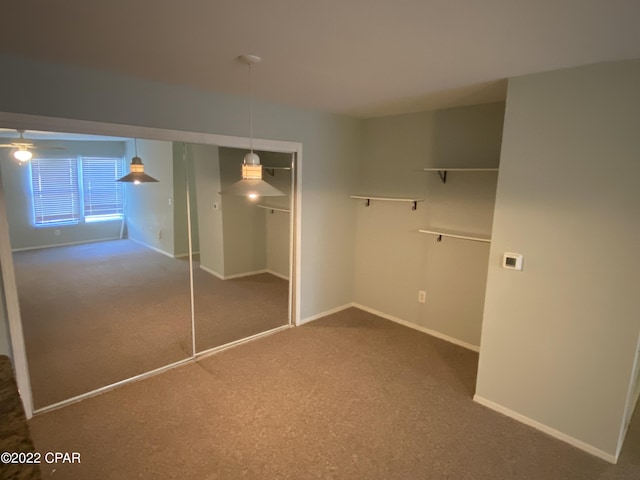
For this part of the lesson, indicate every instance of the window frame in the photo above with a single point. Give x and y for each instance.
(80, 192)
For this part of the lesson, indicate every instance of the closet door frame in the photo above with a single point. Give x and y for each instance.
(37, 122)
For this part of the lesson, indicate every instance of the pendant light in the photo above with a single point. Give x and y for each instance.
(136, 169)
(251, 184)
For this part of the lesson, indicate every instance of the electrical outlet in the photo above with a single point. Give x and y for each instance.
(422, 296)
(56, 232)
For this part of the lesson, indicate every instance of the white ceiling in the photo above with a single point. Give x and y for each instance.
(357, 57)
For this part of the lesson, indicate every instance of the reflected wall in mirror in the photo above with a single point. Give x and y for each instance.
(103, 279)
(241, 275)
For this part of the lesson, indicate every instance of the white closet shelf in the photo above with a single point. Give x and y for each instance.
(453, 234)
(470, 169)
(368, 198)
(274, 209)
(442, 171)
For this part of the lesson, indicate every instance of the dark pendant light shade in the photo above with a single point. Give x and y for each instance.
(136, 169)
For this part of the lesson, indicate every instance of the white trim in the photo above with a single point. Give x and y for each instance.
(324, 314)
(244, 274)
(240, 275)
(295, 247)
(235, 343)
(276, 274)
(12, 307)
(65, 244)
(153, 373)
(112, 386)
(208, 270)
(55, 124)
(151, 247)
(183, 255)
(420, 328)
(633, 395)
(546, 429)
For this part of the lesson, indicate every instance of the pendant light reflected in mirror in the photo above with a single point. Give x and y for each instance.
(136, 169)
(251, 185)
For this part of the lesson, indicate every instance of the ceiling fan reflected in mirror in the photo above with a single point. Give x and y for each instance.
(23, 148)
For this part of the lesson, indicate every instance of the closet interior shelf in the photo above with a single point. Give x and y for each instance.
(453, 234)
(368, 198)
(272, 170)
(273, 209)
(442, 171)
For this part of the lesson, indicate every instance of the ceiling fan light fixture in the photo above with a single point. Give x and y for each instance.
(22, 154)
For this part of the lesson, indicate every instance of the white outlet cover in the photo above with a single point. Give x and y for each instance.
(512, 261)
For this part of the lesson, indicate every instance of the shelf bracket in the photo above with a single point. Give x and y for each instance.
(439, 238)
(367, 202)
(415, 206)
(270, 171)
(443, 175)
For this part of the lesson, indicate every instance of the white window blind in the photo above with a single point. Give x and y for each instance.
(69, 190)
(56, 197)
(101, 193)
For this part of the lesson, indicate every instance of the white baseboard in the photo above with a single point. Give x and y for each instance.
(237, 275)
(39, 247)
(324, 314)
(546, 429)
(182, 255)
(244, 274)
(420, 328)
(208, 270)
(151, 247)
(279, 275)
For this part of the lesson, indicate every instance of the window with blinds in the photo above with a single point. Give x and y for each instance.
(70, 190)
(56, 196)
(101, 193)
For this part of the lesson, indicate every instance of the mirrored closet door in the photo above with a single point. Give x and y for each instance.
(104, 269)
(242, 264)
(104, 293)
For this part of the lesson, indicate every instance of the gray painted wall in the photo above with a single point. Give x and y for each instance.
(243, 224)
(392, 260)
(149, 206)
(183, 169)
(19, 203)
(278, 231)
(207, 188)
(559, 338)
(330, 149)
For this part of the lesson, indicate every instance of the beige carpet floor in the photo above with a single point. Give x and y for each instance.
(350, 396)
(99, 313)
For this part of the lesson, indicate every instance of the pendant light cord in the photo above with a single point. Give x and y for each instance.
(250, 109)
